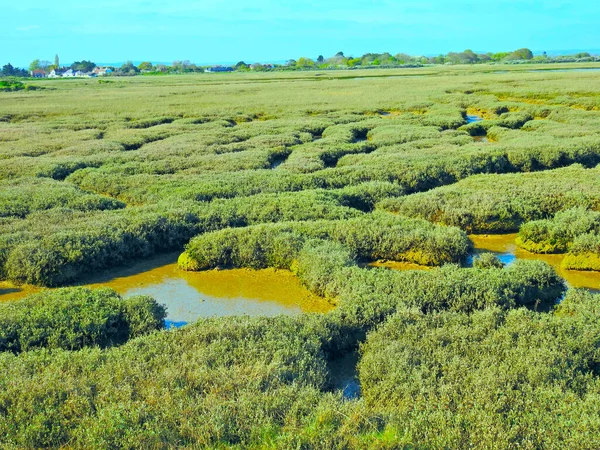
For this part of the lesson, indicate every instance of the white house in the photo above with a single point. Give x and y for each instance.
(101, 71)
(56, 73)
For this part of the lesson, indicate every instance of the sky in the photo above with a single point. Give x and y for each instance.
(211, 31)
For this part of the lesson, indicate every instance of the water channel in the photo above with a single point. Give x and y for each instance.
(504, 247)
(471, 118)
(191, 295)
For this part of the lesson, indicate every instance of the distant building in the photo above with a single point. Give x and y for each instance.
(258, 66)
(101, 71)
(38, 73)
(219, 69)
(56, 73)
(69, 73)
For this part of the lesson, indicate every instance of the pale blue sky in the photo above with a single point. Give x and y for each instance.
(264, 30)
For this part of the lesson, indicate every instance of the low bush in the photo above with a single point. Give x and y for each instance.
(372, 237)
(502, 203)
(74, 318)
(556, 235)
(452, 380)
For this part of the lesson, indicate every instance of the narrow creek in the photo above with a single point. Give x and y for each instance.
(472, 118)
(192, 295)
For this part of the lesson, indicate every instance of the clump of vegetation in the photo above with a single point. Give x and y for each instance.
(487, 260)
(584, 253)
(74, 318)
(370, 237)
(556, 235)
(479, 374)
(502, 203)
(10, 85)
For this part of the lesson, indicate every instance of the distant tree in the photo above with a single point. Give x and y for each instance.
(241, 66)
(353, 62)
(8, 70)
(320, 59)
(290, 63)
(84, 66)
(339, 54)
(582, 55)
(161, 68)
(499, 56)
(56, 61)
(304, 63)
(468, 57)
(146, 66)
(520, 54)
(128, 68)
(34, 65)
(403, 58)
(453, 58)
(440, 59)
(368, 58)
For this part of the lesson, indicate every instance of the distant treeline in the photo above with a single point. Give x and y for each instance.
(338, 61)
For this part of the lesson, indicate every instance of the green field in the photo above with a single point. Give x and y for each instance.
(318, 173)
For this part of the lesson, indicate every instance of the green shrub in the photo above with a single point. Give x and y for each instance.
(557, 235)
(502, 203)
(74, 318)
(479, 375)
(372, 237)
(487, 260)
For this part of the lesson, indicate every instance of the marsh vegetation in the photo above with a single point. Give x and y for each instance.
(316, 184)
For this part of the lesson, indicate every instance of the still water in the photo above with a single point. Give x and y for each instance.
(503, 245)
(191, 295)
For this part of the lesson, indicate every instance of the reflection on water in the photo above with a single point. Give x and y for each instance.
(190, 295)
(472, 118)
(503, 245)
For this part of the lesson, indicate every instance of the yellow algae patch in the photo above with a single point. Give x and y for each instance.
(9, 291)
(189, 295)
(280, 286)
(480, 113)
(498, 243)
